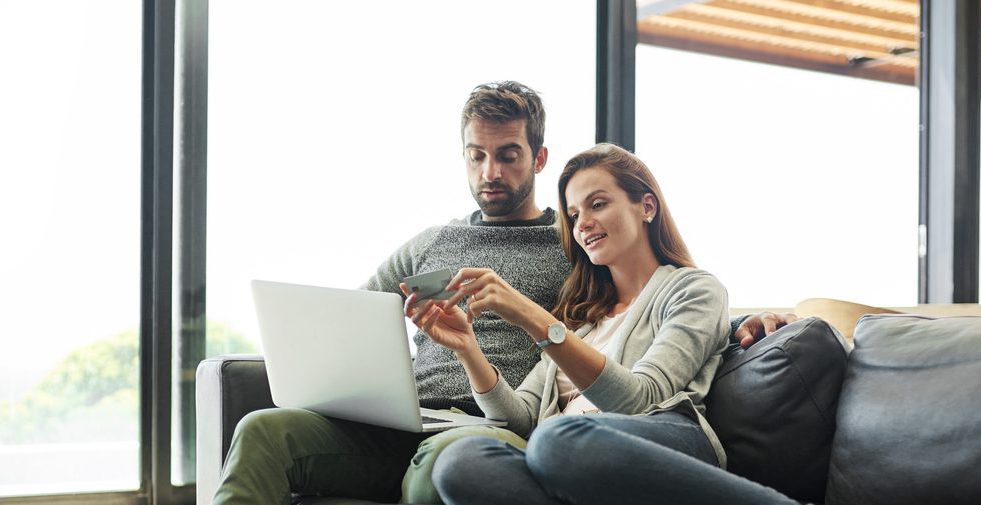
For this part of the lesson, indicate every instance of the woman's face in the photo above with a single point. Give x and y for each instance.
(605, 223)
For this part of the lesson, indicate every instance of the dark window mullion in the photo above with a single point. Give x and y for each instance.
(616, 47)
(156, 248)
(192, 109)
(949, 160)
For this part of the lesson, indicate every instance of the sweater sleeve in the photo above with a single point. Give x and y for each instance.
(402, 263)
(519, 408)
(694, 328)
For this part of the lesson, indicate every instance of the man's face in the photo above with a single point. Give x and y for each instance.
(501, 169)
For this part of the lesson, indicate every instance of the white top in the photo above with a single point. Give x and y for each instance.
(571, 400)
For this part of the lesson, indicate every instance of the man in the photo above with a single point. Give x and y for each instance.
(278, 451)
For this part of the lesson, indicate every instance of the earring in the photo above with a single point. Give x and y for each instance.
(649, 219)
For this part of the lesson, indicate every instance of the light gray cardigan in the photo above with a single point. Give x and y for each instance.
(663, 356)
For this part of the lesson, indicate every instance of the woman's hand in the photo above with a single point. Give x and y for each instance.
(447, 326)
(488, 291)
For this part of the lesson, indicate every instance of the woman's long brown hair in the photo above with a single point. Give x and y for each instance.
(588, 293)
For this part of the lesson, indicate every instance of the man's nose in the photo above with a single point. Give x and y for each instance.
(492, 171)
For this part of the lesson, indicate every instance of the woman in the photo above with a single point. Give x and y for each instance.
(637, 330)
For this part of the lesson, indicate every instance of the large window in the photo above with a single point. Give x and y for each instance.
(337, 139)
(786, 183)
(334, 131)
(69, 214)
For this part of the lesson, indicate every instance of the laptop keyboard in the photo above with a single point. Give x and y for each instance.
(431, 420)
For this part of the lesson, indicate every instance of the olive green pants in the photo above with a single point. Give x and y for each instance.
(276, 452)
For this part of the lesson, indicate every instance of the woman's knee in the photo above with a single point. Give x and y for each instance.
(550, 446)
(454, 470)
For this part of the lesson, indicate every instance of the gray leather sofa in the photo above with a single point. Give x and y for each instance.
(894, 421)
(228, 388)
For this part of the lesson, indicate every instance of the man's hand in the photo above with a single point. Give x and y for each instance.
(757, 326)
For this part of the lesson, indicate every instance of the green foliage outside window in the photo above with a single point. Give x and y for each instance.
(92, 395)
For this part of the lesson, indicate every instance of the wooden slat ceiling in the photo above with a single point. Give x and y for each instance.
(872, 39)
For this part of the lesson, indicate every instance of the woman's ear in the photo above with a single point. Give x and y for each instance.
(650, 207)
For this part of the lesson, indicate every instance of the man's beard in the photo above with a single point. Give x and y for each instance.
(506, 206)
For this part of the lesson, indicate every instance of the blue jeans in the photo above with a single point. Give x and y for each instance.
(597, 459)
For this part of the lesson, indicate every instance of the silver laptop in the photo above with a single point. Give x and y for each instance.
(344, 353)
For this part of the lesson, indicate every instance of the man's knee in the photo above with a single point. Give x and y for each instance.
(262, 425)
(257, 422)
(433, 446)
(417, 484)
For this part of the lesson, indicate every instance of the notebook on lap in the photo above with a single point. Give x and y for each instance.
(344, 353)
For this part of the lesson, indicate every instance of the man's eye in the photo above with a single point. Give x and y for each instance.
(475, 156)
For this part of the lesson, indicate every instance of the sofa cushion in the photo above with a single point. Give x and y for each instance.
(909, 428)
(773, 407)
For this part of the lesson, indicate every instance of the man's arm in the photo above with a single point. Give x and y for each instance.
(402, 263)
(750, 329)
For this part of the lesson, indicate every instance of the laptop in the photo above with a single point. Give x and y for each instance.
(344, 353)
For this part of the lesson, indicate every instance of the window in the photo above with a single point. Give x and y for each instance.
(786, 183)
(335, 136)
(70, 207)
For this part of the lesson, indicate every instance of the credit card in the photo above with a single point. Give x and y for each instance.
(430, 285)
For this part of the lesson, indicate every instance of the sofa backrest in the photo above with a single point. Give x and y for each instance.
(773, 407)
(908, 425)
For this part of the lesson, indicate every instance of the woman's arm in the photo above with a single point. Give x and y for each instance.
(685, 352)
(518, 407)
(488, 291)
(449, 327)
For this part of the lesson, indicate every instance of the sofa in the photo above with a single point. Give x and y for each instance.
(853, 404)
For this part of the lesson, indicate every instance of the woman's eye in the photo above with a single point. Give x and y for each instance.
(574, 216)
(598, 204)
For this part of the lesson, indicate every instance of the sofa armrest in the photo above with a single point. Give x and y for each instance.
(227, 388)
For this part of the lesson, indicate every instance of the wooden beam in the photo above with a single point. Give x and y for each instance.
(658, 7)
(793, 29)
(793, 11)
(882, 9)
(885, 73)
(827, 53)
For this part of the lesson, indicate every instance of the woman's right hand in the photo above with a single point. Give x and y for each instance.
(447, 327)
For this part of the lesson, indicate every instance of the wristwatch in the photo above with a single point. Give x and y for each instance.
(555, 335)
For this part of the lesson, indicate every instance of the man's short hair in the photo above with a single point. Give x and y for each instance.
(504, 101)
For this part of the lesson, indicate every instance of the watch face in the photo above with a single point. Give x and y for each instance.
(556, 333)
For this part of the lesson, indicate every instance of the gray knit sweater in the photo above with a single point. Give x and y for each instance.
(528, 255)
